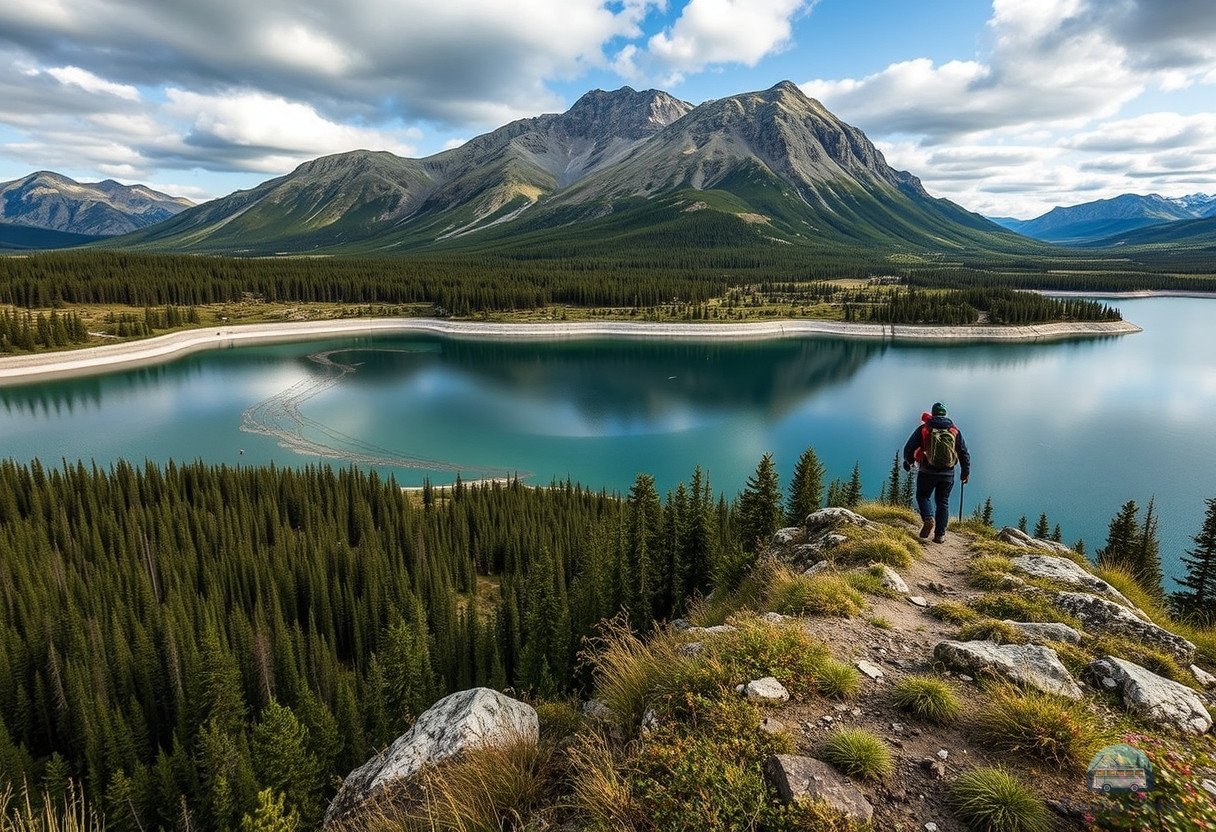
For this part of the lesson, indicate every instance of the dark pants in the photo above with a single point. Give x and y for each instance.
(935, 487)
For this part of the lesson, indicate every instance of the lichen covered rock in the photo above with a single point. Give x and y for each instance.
(1028, 665)
(1152, 697)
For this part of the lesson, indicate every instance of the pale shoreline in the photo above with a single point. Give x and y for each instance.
(15, 369)
(1135, 293)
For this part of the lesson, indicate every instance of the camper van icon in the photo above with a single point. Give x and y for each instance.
(1120, 768)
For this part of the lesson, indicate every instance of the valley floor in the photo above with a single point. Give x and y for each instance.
(161, 348)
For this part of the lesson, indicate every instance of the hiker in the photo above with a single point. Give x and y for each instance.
(936, 446)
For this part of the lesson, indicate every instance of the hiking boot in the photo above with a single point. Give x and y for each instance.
(926, 528)
(941, 538)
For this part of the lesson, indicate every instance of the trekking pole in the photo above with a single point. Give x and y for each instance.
(962, 486)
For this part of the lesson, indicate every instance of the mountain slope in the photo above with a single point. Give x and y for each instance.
(1091, 221)
(1191, 234)
(780, 165)
(54, 202)
(24, 237)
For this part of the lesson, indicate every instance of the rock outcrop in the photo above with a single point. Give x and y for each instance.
(1036, 632)
(827, 519)
(766, 691)
(1102, 616)
(1019, 538)
(1156, 699)
(1028, 665)
(1063, 571)
(459, 722)
(796, 777)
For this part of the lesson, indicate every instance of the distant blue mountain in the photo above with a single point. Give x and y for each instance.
(1104, 218)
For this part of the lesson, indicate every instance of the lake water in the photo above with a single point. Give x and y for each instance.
(1073, 429)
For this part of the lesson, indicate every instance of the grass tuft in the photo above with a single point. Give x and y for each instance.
(887, 513)
(952, 612)
(25, 814)
(870, 581)
(795, 594)
(837, 680)
(600, 789)
(894, 547)
(993, 800)
(1037, 725)
(880, 622)
(859, 753)
(928, 698)
(989, 629)
(558, 720)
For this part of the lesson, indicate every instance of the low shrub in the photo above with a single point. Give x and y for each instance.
(952, 612)
(993, 800)
(791, 593)
(703, 771)
(1037, 725)
(837, 680)
(880, 622)
(989, 629)
(858, 752)
(928, 698)
(757, 649)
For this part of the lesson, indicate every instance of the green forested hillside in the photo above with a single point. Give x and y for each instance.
(175, 639)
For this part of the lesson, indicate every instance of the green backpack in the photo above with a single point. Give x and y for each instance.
(940, 450)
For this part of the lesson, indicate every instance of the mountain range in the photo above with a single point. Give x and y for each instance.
(78, 211)
(618, 168)
(1095, 221)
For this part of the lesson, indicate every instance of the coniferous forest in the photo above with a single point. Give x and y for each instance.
(175, 639)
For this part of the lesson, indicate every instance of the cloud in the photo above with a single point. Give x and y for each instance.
(711, 32)
(467, 62)
(87, 81)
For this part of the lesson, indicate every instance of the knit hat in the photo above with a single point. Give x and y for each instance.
(939, 409)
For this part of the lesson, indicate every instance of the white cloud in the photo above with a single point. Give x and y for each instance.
(713, 32)
(87, 81)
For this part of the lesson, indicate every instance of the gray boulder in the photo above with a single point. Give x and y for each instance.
(816, 568)
(1019, 538)
(1028, 665)
(459, 722)
(797, 778)
(767, 690)
(1037, 632)
(716, 630)
(1203, 677)
(827, 519)
(1064, 571)
(1102, 616)
(888, 577)
(790, 536)
(775, 618)
(1156, 699)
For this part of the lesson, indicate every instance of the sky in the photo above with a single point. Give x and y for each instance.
(1008, 107)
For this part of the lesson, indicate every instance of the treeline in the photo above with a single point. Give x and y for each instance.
(1085, 277)
(957, 307)
(25, 332)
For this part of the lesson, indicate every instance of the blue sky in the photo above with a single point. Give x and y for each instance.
(1006, 107)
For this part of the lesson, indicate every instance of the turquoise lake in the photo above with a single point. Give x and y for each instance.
(1070, 428)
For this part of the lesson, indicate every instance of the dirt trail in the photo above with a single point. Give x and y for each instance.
(914, 795)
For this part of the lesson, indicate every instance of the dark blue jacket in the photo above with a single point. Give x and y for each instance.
(915, 440)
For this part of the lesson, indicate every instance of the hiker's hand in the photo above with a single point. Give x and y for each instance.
(965, 480)
(907, 465)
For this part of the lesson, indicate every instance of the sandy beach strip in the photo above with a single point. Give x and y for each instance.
(164, 347)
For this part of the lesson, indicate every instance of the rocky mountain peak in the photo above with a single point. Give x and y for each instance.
(626, 112)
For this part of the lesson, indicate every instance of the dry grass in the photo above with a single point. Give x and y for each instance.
(600, 790)
(870, 581)
(888, 514)
(1022, 607)
(894, 547)
(973, 526)
(988, 571)
(952, 612)
(21, 813)
(1038, 725)
(990, 629)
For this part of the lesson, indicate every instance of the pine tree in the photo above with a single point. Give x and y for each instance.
(760, 512)
(893, 481)
(1057, 535)
(643, 551)
(282, 762)
(908, 493)
(987, 515)
(852, 492)
(699, 555)
(1022, 523)
(271, 815)
(1196, 602)
(836, 492)
(1123, 540)
(1147, 554)
(806, 488)
(1042, 528)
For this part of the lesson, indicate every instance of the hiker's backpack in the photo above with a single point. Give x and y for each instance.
(940, 446)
